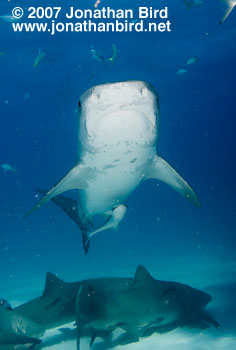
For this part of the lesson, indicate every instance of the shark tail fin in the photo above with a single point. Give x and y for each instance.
(86, 241)
(76, 178)
(114, 54)
(161, 170)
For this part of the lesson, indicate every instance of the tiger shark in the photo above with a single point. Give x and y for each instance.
(63, 302)
(117, 151)
(145, 305)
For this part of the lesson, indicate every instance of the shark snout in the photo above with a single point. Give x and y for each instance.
(120, 95)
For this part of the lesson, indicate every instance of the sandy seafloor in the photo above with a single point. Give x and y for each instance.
(217, 280)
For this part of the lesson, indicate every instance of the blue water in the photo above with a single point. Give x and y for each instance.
(38, 136)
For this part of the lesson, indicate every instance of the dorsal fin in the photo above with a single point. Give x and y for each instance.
(52, 281)
(142, 275)
(4, 303)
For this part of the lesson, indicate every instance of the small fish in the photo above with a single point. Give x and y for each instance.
(192, 60)
(181, 71)
(192, 3)
(39, 58)
(8, 167)
(2, 53)
(98, 56)
(230, 6)
(97, 3)
(9, 18)
(114, 54)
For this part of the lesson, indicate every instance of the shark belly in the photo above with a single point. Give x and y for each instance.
(119, 170)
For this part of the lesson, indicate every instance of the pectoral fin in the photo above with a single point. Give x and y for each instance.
(16, 339)
(77, 178)
(132, 332)
(161, 170)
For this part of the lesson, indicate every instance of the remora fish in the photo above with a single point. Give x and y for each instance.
(118, 131)
(230, 6)
(16, 329)
(144, 305)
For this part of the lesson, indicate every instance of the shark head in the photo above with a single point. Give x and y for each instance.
(16, 329)
(182, 295)
(116, 113)
(145, 302)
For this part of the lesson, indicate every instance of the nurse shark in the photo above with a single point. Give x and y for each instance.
(117, 151)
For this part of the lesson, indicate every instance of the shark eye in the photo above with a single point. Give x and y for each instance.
(80, 105)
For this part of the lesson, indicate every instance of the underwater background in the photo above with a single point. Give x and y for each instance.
(38, 136)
